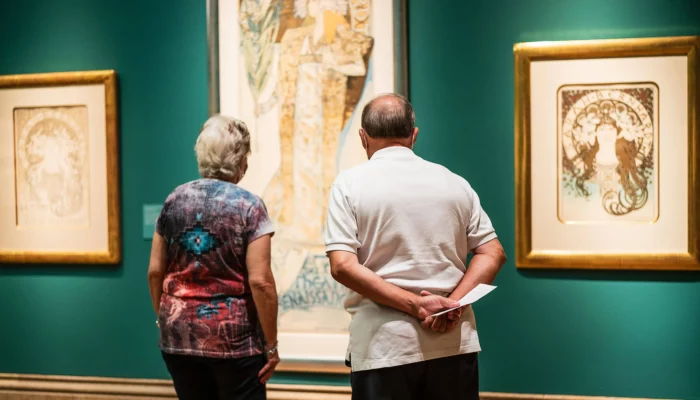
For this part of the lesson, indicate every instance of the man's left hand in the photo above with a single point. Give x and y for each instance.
(443, 323)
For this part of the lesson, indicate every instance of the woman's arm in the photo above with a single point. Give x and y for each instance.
(156, 270)
(262, 284)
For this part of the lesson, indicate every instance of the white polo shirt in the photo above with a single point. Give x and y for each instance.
(413, 223)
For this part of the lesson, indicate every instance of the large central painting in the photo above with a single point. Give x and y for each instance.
(298, 72)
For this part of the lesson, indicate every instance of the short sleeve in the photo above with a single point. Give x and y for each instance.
(258, 222)
(162, 220)
(341, 225)
(479, 229)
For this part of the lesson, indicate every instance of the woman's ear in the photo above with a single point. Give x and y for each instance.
(243, 167)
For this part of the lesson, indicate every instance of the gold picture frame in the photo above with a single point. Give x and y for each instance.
(627, 50)
(94, 93)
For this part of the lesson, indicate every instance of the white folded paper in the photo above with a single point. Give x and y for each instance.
(475, 294)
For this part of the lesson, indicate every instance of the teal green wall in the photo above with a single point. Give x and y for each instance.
(96, 320)
(593, 333)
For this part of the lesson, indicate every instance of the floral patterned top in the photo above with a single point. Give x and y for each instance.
(207, 309)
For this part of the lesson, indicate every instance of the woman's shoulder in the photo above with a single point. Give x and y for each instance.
(225, 191)
(245, 195)
(188, 191)
(187, 187)
(216, 190)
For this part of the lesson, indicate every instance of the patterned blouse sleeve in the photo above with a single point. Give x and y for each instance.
(162, 221)
(258, 222)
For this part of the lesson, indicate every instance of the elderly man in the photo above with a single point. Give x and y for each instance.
(398, 234)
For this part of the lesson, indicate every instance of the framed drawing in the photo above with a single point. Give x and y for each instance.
(607, 147)
(59, 168)
(298, 72)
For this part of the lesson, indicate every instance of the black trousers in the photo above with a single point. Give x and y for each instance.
(204, 378)
(447, 378)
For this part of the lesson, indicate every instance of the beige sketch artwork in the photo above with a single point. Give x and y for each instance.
(51, 153)
(609, 141)
(306, 68)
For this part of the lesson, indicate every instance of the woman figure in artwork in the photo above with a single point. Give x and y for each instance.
(323, 63)
(610, 136)
(53, 158)
(317, 60)
(210, 277)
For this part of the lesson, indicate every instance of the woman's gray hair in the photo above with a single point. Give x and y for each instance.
(222, 144)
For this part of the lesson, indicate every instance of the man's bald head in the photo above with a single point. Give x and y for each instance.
(388, 116)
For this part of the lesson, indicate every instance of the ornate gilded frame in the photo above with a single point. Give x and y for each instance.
(108, 78)
(525, 54)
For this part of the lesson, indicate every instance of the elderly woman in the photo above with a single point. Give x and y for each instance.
(210, 278)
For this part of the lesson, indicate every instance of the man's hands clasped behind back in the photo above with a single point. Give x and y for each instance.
(429, 304)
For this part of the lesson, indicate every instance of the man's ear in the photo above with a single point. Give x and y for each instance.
(414, 137)
(363, 138)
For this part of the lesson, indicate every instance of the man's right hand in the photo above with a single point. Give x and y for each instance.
(428, 304)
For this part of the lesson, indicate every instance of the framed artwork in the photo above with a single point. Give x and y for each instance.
(59, 168)
(606, 159)
(298, 73)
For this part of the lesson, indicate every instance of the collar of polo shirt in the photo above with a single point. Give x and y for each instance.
(393, 152)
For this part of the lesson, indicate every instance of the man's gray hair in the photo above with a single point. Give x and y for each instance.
(388, 116)
(221, 146)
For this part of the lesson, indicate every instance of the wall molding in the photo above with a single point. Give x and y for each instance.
(53, 387)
